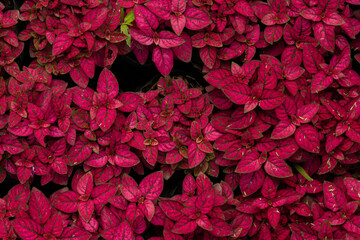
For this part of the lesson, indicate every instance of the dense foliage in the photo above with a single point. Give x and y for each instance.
(267, 149)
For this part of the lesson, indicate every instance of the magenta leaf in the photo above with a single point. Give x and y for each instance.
(334, 198)
(307, 138)
(163, 59)
(196, 19)
(277, 167)
(79, 153)
(152, 185)
(273, 33)
(27, 228)
(353, 225)
(96, 17)
(237, 92)
(325, 34)
(184, 225)
(168, 40)
(283, 130)
(251, 182)
(39, 206)
(61, 43)
(67, 202)
(108, 83)
(144, 18)
(320, 82)
(353, 188)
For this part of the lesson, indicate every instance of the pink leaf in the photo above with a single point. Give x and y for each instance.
(126, 158)
(353, 188)
(277, 167)
(334, 198)
(273, 33)
(86, 209)
(320, 82)
(88, 66)
(249, 163)
(96, 17)
(325, 34)
(168, 40)
(152, 185)
(80, 233)
(237, 92)
(160, 8)
(79, 76)
(163, 59)
(144, 18)
(39, 206)
(172, 209)
(196, 19)
(353, 224)
(85, 184)
(27, 228)
(307, 138)
(283, 130)
(105, 118)
(108, 83)
(67, 202)
(178, 23)
(184, 51)
(208, 56)
(79, 153)
(307, 112)
(184, 226)
(61, 43)
(251, 182)
(221, 228)
(271, 99)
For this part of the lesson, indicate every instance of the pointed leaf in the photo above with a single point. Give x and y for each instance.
(307, 138)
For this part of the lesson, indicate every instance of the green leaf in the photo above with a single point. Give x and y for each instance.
(130, 17)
